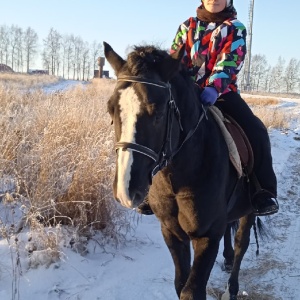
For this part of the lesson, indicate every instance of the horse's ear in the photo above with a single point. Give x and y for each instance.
(178, 55)
(113, 58)
(172, 64)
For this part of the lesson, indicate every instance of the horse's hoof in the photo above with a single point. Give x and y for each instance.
(227, 267)
(228, 296)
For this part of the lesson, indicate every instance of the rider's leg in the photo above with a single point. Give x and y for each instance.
(264, 201)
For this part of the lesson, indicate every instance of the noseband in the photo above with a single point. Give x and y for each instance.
(163, 157)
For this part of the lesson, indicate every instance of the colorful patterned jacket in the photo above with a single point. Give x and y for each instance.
(215, 53)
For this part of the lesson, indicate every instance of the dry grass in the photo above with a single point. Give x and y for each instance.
(21, 81)
(59, 149)
(264, 108)
(272, 118)
(262, 101)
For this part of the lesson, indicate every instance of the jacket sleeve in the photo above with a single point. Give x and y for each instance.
(227, 53)
(181, 38)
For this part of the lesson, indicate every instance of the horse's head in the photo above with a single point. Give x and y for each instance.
(140, 111)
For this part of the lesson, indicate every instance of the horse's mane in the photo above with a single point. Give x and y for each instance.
(144, 59)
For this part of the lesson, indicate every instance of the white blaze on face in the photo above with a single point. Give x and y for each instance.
(129, 109)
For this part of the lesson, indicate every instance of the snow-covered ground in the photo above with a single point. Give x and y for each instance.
(63, 85)
(142, 267)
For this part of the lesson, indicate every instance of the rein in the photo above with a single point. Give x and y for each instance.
(161, 159)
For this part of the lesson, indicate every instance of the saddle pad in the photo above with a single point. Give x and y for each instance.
(232, 148)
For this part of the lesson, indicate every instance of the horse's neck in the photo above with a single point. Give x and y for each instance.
(189, 107)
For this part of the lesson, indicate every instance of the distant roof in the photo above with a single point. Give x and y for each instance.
(5, 68)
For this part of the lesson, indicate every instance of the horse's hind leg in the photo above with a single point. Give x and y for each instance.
(181, 254)
(241, 243)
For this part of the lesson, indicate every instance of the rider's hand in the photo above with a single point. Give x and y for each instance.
(209, 95)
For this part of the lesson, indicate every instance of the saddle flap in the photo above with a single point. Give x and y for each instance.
(241, 141)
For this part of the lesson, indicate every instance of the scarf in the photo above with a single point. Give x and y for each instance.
(206, 16)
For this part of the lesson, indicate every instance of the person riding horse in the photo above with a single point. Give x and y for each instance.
(215, 49)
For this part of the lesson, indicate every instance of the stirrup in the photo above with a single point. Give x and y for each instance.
(264, 203)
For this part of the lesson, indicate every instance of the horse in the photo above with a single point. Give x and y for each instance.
(170, 149)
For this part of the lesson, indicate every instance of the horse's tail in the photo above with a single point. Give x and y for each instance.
(234, 227)
(262, 231)
(259, 228)
(255, 234)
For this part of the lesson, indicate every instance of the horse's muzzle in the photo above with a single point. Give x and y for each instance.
(137, 198)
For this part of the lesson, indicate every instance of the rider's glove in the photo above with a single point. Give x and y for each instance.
(209, 95)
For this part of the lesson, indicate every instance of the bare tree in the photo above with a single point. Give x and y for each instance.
(76, 59)
(292, 75)
(68, 44)
(19, 50)
(30, 46)
(14, 41)
(276, 81)
(52, 45)
(97, 50)
(4, 44)
(266, 84)
(46, 60)
(65, 46)
(85, 60)
(259, 66)
(60, 55)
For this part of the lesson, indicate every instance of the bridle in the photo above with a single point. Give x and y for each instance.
(165, 155)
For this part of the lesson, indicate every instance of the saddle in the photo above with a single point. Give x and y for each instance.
(240, 150)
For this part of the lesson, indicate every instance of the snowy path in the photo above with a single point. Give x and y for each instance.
(275, 273)
(287, 228)
(143, 268)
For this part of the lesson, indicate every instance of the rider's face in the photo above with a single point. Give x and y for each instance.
(214, 6)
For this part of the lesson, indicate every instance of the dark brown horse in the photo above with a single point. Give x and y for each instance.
(170, 147)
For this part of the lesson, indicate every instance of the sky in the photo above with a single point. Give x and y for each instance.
(126, 23)
(141, 267)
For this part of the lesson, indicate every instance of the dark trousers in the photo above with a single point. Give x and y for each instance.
(233, 104)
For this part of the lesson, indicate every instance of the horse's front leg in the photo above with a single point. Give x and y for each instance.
(241, 243)
(205, 252)
(179, 248)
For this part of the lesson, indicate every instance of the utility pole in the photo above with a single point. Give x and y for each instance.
(249, 44)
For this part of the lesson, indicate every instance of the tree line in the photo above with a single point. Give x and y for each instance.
(66, 55)
(284, 77)
(71, 57)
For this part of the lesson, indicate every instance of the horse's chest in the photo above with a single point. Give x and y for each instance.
(189, 216)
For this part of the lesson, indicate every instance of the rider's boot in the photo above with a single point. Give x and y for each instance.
(264, 203)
